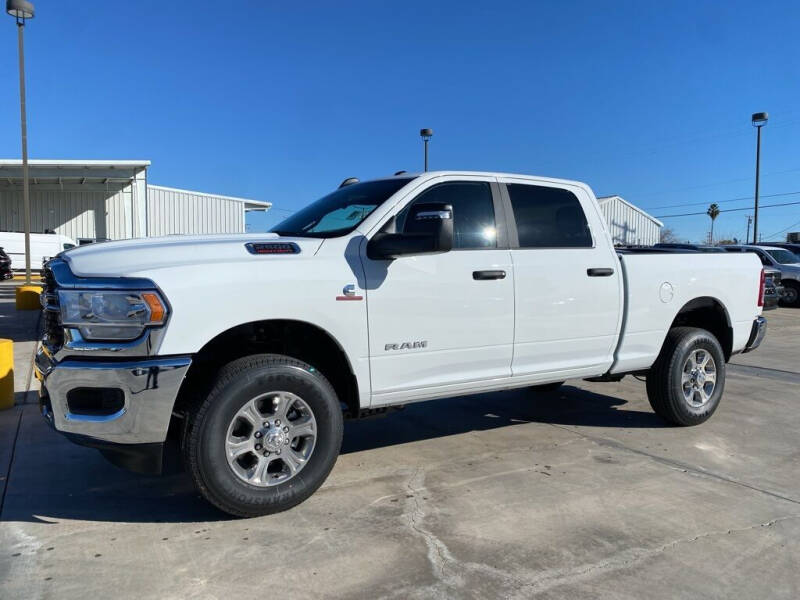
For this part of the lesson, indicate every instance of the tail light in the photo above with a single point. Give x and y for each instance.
(761, 288)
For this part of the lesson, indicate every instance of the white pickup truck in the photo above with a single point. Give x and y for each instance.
(255, 347)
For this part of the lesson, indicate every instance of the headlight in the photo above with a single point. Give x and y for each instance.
(111, 315)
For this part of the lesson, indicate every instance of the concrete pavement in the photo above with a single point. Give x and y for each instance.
(21, 328)
(581, 493)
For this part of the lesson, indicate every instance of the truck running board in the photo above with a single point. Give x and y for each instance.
(607, 377)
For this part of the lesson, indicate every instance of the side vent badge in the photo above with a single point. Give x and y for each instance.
(272, 248)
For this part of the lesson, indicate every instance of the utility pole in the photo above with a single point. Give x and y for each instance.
(22, 10)
(749, 222)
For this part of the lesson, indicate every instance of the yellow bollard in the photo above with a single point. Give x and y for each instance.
(27, 297)
(6, 374)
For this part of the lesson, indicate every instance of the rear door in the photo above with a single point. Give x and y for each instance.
(444, 320)
(568, 285)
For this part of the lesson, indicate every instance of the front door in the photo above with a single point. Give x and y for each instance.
(440, 321)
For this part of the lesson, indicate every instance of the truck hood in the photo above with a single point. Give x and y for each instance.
(129, 257)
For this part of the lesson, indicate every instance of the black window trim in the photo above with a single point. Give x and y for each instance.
(511, 223)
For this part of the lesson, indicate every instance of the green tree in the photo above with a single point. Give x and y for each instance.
(713, 212)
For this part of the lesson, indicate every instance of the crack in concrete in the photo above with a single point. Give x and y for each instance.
(439, 555)
(753, 371)
(674, 464)
(522, 587)
(452, 572)
(558, 577)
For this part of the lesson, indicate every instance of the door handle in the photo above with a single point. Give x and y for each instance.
(600, 272)
(484, 275)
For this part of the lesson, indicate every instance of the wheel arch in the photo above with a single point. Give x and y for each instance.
(709, 313)
(295, 338)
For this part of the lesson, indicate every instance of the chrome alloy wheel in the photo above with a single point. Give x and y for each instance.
(699, 378)
(271, 438)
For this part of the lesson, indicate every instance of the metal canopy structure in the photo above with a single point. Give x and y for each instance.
(112, 199)
(73, 175)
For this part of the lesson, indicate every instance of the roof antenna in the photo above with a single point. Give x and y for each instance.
(348, 181)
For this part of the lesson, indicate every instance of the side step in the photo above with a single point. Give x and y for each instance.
(607, 377)
(373, 413)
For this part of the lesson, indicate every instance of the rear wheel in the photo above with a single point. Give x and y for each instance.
(791, 294)
(265, 438)
(687, 380)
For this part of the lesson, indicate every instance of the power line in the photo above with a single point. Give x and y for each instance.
(729, 210)
(714, 184)
(720, 201)
(782, 230)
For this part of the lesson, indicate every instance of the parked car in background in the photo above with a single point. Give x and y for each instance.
(695, 247)
(773, 290)
(5, 266)
(792, 247)
(382, 293)
(44, 246)
(782, 259)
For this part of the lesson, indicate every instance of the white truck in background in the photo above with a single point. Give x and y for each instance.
(44, 246)
(397, 290)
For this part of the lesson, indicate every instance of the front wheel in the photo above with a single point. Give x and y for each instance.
(686, 382)
(265, 438)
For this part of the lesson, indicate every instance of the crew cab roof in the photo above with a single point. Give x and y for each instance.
(434, 174)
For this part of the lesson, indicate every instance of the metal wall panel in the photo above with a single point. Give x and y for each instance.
(171, 211)
(629, 225)
(91, 211)
(77, 213)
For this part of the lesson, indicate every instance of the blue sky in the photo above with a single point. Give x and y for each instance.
(280, 101)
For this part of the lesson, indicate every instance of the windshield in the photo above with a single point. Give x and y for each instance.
(784, 256)
(342, 211)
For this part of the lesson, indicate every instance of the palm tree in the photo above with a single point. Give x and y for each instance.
(713, 212)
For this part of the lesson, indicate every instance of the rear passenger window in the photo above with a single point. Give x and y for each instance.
(473, 212)
(548, 217)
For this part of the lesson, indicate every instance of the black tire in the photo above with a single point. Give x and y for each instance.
(664, 380)
(791, 294)
(207, 426)
(547, 387)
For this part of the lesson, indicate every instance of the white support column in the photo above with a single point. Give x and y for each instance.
(139, 187)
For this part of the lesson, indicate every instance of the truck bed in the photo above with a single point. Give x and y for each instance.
(657, 284)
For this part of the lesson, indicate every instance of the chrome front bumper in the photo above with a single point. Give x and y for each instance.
(149, 386)
(757, 333)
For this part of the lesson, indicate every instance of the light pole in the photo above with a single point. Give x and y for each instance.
(759, 120)
(22, 10)
(426, 135)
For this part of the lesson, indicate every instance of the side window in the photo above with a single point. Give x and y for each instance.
(764, 260)
(473, 212)
(548, 217)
